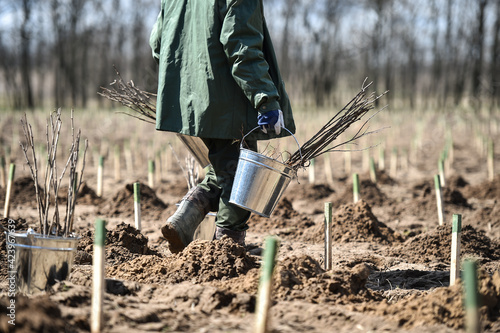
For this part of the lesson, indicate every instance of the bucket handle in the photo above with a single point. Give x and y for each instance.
(300, 151)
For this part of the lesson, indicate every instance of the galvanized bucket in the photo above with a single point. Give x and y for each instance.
(39, 261)
(259, 181)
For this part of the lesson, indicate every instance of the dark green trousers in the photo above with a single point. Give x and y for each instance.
(218, 182)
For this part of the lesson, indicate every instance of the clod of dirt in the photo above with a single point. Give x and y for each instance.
(87, 196)
(22, 192)
(354, 222)
(369, 192)
(122, 203)
(435, 245)
(283, 217)
(38, 314)
(122, 244)
(444, 306)
(486, 190)
(384, 178)
(301, 277)
(456, 181)
(201, 261)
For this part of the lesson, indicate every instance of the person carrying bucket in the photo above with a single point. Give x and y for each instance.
(218, 79)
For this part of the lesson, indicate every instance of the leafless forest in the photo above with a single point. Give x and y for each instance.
(438, 54)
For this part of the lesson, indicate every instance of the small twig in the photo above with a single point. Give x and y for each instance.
(349, 114)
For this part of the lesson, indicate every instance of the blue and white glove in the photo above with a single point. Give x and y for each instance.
(271, 120)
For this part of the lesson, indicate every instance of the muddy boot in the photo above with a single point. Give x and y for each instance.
(180, 227)
(237, 236)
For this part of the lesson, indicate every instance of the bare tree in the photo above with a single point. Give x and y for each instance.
(495, 60)
(477, 52)
(25, 54)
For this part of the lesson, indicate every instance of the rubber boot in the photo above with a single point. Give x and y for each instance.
(237, 236)
(180, 227)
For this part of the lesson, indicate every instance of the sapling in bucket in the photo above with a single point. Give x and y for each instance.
(45, 256)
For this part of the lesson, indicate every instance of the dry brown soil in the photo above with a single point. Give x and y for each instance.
(391, 259)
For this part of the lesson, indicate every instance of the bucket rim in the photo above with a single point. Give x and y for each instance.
(288, 171)
(26, 234)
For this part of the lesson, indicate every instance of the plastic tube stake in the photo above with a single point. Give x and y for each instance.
(129, 164)
(366, 160)
(439, 199)
(355, 187)
(373, 172)
(491, 160)
(265, 284)
(100, 173)
(441, 172)
(404, 160)
(381, 158)
(137, 205)
(312, 172)
(12, 171)
(347, 162)
(455, 248)
(394, 162)
(117, 163)
(98, 276)
(328, 236)
(328, 169)
(472, 323)
(3, 183)
(151, 172)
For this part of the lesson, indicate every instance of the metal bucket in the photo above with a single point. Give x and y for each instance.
(259, 181)
(39, 261)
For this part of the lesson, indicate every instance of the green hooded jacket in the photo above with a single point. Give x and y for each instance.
(217, 69)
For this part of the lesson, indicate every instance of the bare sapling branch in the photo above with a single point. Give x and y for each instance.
(192, 171)
(338, 124)
(141, 102)
(33, 166)
(47, 194)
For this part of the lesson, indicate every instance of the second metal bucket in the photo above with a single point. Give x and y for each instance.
(39, 261)
(259, 182)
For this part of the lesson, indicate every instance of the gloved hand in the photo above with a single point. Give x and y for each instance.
(271, 120)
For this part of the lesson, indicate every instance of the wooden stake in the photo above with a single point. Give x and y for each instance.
(328, 236)
(373, 171)
(455, 248)
(355, 187)
(12, 171)
(3, 182)
(312, 172)
(98, 276)
(265, 284)
(151, 173)
(137, 205)
(491, 160)
(100, 173)
(439, 199)
(472, 322)
(328, 169)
